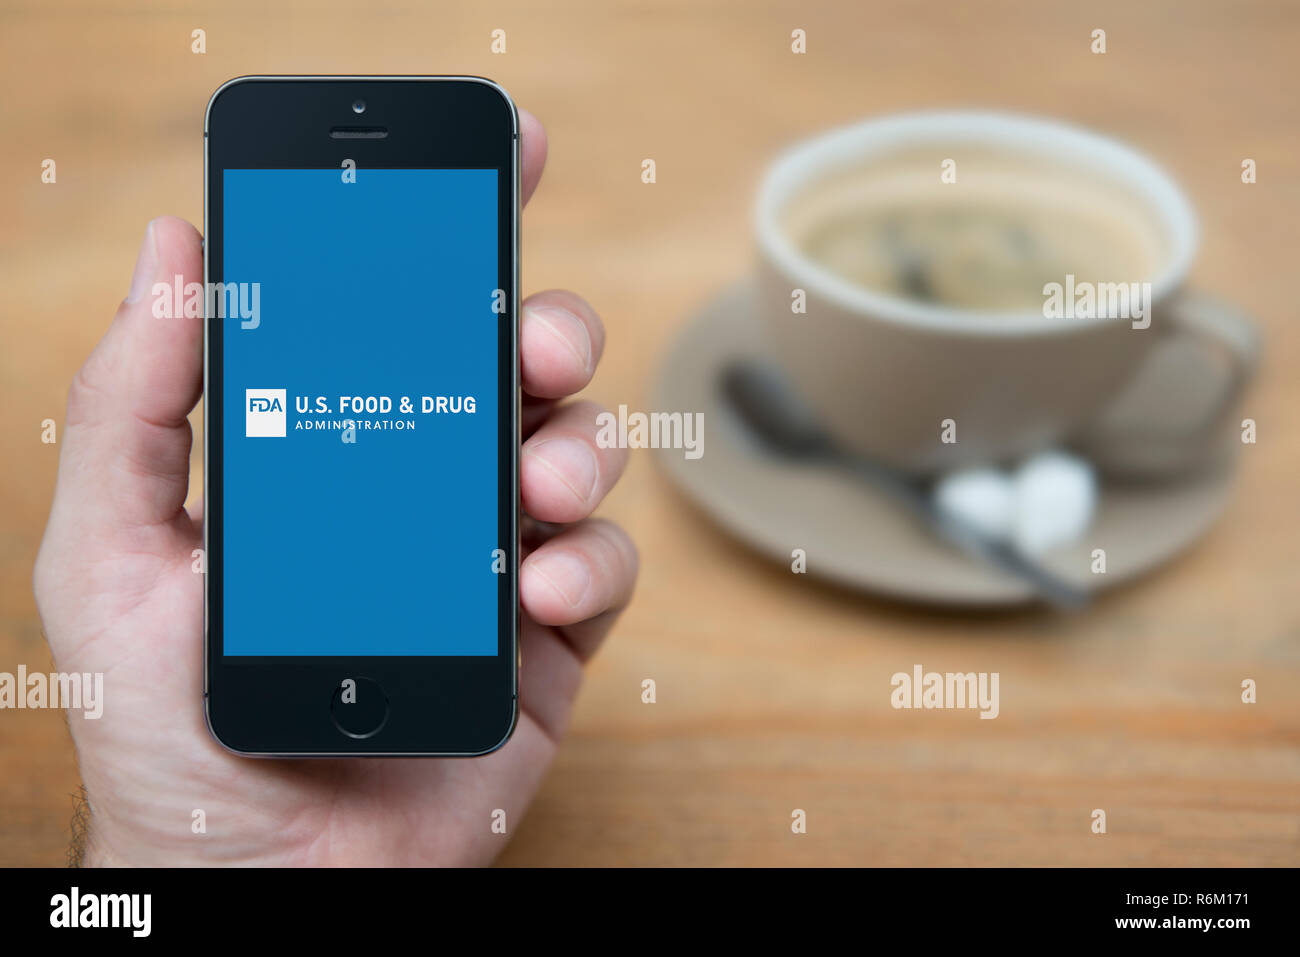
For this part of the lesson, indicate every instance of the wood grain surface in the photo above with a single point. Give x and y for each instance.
(772, 689)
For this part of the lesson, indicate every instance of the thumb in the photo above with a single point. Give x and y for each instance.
(126, 450)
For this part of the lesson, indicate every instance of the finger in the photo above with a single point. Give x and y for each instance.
(560, 341)
(532, 146)
(563, 473)
(126, 451)
(583, 572)
(549, 679)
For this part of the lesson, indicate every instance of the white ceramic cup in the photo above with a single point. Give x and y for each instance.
(884, 373)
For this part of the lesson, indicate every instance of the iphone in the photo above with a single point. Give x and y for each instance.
(361, 416)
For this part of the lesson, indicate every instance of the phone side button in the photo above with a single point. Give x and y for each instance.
(359, 707)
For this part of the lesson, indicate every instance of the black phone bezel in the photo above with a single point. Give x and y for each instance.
(437, 705)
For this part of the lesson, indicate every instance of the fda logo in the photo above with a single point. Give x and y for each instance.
(264, 413)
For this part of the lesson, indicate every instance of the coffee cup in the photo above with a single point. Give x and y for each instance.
(949, 289)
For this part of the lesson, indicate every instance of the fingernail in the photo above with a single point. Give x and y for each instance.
(567, 574)
(569, 329)
(146, 266)
(572, 461)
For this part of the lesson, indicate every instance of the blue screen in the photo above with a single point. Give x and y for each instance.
(378, 539)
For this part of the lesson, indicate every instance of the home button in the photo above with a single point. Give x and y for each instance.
(359, 707)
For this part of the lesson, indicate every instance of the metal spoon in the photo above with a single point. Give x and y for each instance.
(775, 415)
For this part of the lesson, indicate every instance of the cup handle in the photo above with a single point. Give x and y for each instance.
(1215, 326)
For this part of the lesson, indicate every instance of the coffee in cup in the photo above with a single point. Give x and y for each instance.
(989, 241)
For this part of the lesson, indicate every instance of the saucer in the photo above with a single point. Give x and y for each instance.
(852, 533)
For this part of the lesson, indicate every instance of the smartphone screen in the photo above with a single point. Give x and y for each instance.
(360, 426)
(361, 412)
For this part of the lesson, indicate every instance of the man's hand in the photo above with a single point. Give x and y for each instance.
(117, 595)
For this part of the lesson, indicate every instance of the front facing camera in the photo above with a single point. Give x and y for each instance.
(359, 106)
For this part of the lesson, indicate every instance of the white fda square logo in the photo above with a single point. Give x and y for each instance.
(264, 416)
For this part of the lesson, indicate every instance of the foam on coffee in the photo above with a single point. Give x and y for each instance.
(989, 241)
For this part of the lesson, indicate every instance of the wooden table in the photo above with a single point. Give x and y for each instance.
(772, 689)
